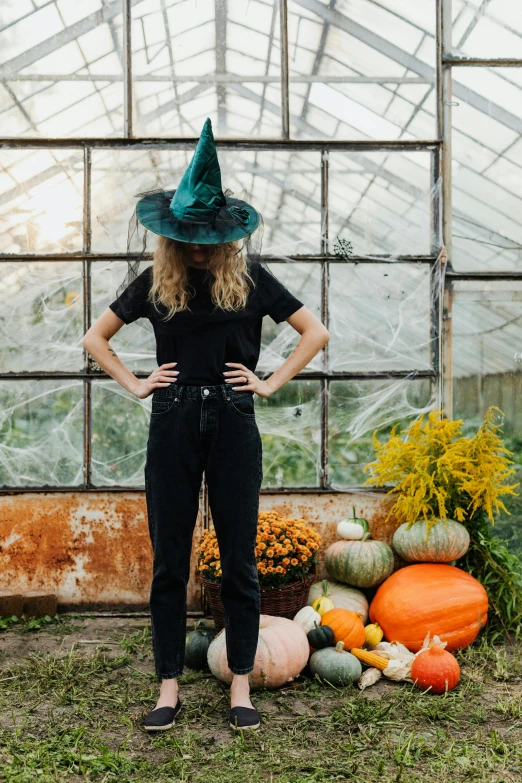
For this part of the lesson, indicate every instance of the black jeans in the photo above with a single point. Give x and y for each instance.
(211, 429)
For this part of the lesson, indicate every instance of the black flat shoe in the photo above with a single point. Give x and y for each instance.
(244, 718)
(161, 718)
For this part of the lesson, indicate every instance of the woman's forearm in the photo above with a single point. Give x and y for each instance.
(308, 346)
(102, 352)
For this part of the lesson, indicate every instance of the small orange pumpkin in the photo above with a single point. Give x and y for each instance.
(346, 625)
(435, 669)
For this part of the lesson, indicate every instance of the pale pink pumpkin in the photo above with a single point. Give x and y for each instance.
(282, 653)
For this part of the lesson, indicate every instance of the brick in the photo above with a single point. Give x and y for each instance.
(11, 604)
(38, 603)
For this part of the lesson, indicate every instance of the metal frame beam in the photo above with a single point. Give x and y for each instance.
(258, 145)
(306, 258)
(444, 34)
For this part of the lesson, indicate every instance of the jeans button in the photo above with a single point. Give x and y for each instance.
(206, 392)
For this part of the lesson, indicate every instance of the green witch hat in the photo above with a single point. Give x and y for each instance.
(198, 210)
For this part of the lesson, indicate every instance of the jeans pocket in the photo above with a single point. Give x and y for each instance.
(162, 403)
(243, 403)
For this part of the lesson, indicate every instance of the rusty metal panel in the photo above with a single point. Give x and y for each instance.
(89, 548)
(93, 549)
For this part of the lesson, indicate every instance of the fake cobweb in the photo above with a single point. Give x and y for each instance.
(382, 285)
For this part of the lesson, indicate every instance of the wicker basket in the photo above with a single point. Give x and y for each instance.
(277, 601)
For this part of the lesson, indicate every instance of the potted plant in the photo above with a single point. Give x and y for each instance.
(447, 489)
(286, 551)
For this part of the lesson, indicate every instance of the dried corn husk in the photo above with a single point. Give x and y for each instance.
(392, 650)
(400, 660)
(369, 677)
(427, 644)
(398, 671)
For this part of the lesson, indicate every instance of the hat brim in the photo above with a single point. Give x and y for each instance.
(167, 225)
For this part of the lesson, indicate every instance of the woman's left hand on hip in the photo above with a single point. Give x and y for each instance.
(248, 380)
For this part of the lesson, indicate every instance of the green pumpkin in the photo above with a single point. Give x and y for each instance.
(197, 644)
(335, 665)
(447, 541)
(321, 636)
(364, 563)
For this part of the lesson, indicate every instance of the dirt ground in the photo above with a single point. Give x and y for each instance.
(74, 689)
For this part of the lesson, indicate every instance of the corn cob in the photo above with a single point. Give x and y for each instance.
(370, 658)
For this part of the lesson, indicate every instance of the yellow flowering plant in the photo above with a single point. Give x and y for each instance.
(286, 550)
(438, 473)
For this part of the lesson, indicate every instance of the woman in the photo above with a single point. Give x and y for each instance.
(206, 302)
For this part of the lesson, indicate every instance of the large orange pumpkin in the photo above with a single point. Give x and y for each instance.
(434, 597)
(346, 625)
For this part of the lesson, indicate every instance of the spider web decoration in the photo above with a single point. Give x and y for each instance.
(379, 318)
(343, 248)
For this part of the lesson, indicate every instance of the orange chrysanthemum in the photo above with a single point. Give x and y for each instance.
(285, 550)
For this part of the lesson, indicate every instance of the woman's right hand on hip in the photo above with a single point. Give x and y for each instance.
(158, 379)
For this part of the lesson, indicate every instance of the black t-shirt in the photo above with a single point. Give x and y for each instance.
(203, 339)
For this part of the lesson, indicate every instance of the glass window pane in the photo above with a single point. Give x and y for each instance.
(379, 317)
(41, 316)
(41, 201)
(361, 70)
(41, 433)
(283, 186)
(486, 29)
(61, 68)
(290, 426)
(487, 370)
(279, 340)
(286, 188)
(487, 157)
(134, 344)
(380, 202)
(356, 410)
(196, 60)
(486, 350)
(120, 423)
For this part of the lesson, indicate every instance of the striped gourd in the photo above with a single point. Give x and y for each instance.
(370, 658)
(363, 563)
(447, 541)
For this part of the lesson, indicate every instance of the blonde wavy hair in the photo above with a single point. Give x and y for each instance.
(171, 287)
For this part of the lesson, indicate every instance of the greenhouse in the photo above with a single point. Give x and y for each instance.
(381, 142)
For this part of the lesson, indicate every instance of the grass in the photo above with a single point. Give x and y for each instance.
(73, 692)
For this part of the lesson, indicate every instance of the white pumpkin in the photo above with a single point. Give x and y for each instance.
(306, 617)
(343, 596)
(353, 528)
(281, 655)
(350, 530)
